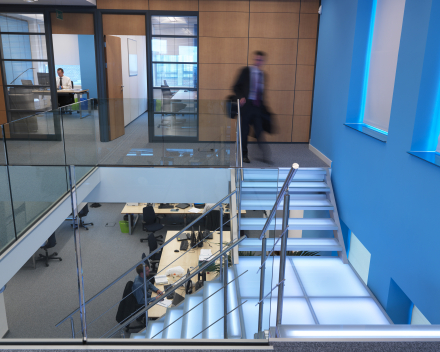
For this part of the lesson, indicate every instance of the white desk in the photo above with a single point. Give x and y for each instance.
(185, 95)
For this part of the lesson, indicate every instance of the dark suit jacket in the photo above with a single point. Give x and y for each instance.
(242, 86)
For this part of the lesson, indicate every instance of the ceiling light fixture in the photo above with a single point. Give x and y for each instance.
(30, 0)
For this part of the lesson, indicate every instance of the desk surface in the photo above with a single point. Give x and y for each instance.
(70, 91)
(188, 260)
(138, 209)
(183, 94)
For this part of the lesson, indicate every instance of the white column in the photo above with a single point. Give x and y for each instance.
(295, 233)
(3, 320)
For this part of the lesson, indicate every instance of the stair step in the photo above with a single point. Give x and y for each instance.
(293, 244)
(306, 174)
(234, 327)
(153, 327)
(294, 224)
(175, 330)
(192, 322)
(294, 187)
(295, 204)
(213, 310)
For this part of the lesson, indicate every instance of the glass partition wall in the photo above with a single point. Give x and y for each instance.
(174, 78)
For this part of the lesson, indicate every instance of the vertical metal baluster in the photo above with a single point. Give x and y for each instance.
(145, 293)
(225, 297)
(73, 327)
(221, 240)
(262, 274)
(283, 261)
(77, 239)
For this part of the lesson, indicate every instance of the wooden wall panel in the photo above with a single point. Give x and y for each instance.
(123, 24)
(174, 5)
(306, 51)
(280, 77)
(301, 129)
(213, 127)
(273, 25)
(282, 125)
(122, 4)
(3, 117)
(72, 23)
(279, 51)
(223, 50)
(280, 102)
(214, 94)
(308, 25)
(303, 102)
(224, 24)
(304, 77)
(275, 6)
(309, 6)
(224, 5)
(218, 76)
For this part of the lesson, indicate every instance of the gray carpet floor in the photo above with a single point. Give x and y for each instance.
(37, 299)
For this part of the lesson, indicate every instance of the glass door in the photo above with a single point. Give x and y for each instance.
(173, 81)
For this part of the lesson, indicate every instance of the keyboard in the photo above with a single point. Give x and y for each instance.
(165, 206)
(184, 245)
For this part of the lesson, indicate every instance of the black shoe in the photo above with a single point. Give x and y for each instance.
(246, 159)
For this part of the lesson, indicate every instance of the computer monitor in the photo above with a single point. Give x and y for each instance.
(26, 82)
(43, 79)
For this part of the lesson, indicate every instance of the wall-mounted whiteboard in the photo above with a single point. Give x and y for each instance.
(132, 57)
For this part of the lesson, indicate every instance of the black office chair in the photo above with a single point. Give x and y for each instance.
(83, 213)
(127, 307)
(50, 243)
(155, 258)
(150, 222)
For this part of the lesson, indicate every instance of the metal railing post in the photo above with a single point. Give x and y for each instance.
(283, 260)
(145, 292)
(73, 327)
(225, 296)
(77, 239)
(262, 274)
(221, 241)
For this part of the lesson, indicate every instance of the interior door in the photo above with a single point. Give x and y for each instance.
(115, 87)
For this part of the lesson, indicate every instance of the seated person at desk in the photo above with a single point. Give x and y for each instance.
(138, 286)
(65, 83)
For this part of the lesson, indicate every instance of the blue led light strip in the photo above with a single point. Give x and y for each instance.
(375, 129)
(367, 61)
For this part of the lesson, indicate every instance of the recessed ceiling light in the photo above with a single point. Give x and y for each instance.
(30, 0)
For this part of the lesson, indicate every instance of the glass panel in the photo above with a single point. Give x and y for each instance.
(171, 25)
(35, 140)
(22, 46)
(34, 190)
(175, 125)
(27, 73)
(29, 99)
(175, 75)
(7, 234)
(14, 22)
(80, 124)
(174, 49)
(179, 101)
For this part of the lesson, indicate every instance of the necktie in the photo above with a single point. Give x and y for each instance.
(258, 89)
(61, 82)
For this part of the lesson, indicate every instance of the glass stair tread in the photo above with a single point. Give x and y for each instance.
(293, 244)
(306, 204)
(294, 224)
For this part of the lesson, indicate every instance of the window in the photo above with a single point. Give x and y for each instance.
(380, 48)
(174, 81)
(24, 58)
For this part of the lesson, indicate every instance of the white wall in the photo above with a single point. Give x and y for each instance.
(160, 185)
(135, 87)
(359, 257)
(65, 49)
(383, 62)
(3, 319)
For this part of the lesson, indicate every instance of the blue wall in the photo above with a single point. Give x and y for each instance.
(388, 198)
(86, 46)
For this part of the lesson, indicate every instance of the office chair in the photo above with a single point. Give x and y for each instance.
(50, 243)
(153, 260)
(83, 213)
(149, 222)
(127, 306)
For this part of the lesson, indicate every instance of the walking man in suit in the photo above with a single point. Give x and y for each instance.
(249, 88)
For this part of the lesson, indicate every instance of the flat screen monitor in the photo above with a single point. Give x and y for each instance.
(26, 82)
(43, 79)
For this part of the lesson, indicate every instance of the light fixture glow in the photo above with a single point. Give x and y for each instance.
(365, 333)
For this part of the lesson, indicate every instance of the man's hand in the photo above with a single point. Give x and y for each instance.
(242, 101)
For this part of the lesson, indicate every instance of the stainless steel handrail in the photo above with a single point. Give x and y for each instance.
(147, 257)
(172, 289)
(239, 142)
(280, 196)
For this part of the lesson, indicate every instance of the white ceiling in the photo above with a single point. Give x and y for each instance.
(51, 2)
